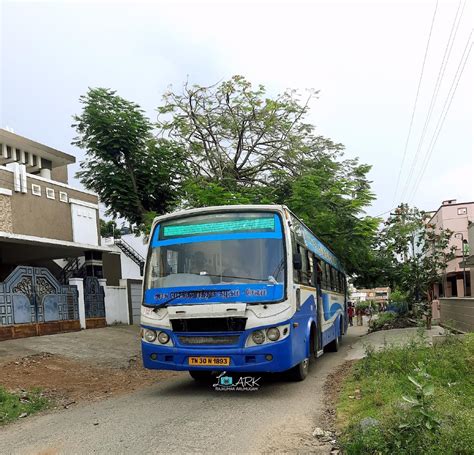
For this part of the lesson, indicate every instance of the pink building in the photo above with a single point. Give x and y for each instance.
(455, 217)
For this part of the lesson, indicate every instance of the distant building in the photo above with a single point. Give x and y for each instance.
(456, 217)
(378, 295)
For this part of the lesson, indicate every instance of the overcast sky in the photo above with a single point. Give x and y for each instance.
(364, 57)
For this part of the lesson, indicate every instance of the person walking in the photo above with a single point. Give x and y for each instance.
(370, 312)
(358, 312)
(350, 313)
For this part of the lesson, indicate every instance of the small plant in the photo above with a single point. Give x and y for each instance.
(421, 402)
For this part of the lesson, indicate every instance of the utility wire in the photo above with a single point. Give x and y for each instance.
(442, 69)
(444, 111)
(434, 96)
(415, 103)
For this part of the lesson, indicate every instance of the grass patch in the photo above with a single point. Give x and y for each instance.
(421, 399)
(12, 405)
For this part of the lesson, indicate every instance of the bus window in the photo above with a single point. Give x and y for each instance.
(333, 279)
(326, 276)
(318, 272)
(303, 275)
(307, 269)
(312, 277)
(295, 249)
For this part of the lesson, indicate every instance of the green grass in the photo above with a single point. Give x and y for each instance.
(375, 388)
(12, 406)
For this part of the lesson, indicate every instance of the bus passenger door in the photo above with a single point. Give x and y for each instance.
(319, 305)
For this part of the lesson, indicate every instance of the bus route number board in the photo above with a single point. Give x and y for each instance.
(209, 361)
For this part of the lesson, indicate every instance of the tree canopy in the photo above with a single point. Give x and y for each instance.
(132, 172)
(417, 252)
(228, 143)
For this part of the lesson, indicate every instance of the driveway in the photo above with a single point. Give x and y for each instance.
(177, 415)
(112, 347)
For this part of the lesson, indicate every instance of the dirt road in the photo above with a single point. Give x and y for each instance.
(179, 416)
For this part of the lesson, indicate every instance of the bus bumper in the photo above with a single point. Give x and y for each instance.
(268, 358)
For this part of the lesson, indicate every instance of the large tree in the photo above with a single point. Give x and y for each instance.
(330, 196)
(239, 137)
(245, 147)
(133, 173)
(229, 143)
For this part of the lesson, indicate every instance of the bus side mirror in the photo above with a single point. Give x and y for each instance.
(297, 261)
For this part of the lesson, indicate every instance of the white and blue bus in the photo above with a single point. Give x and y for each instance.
(245, 288)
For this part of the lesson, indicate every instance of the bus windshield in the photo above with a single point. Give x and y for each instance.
(217, 249)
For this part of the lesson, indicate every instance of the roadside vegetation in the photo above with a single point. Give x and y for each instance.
(14, 406)
(410, 400)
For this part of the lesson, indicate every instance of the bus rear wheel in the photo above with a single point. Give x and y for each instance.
(201, 376)
(300, 371)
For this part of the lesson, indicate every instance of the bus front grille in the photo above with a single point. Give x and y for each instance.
(208, 340)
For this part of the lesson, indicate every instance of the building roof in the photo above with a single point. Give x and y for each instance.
(447, 204)
(57, 157)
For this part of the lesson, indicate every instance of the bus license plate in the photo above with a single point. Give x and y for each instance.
(209, 361)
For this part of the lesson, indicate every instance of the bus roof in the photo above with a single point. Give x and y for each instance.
(221, 208)
(282, 209)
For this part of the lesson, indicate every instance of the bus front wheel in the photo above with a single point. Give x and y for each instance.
(300, 371)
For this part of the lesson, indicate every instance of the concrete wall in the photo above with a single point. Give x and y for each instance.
(39, 216)
(458, 313)
(116, 305)
(59, 174)
(6, 223)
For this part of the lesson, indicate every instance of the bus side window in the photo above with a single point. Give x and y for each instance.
(317, 272)
(333, 279)
(294, 247)
(326, 277)
(304, 275)
(312, 271)
(307, 277)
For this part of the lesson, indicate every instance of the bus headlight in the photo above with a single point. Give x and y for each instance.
(273, 334)
(163, 337)
(258, 337)
(149, 335)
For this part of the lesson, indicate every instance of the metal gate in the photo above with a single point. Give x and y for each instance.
(33, 296)
(135, 300)
(94, 301)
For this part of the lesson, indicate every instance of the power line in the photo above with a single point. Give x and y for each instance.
(415, 103)
(434, 96)
(444, 111)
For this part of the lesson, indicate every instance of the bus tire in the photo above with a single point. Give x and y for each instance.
(333, 346)
(300, 371)
(201, 376)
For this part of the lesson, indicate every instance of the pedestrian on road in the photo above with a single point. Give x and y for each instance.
(359, 315)
(370, 312)
(350, 313)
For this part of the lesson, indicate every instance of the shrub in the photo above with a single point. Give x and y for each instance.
(384, 320)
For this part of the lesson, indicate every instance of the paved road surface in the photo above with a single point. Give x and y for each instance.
(180, 416)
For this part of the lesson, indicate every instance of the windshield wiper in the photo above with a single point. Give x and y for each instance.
(271, 279)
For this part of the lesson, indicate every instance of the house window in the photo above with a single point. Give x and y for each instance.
(50, 193)
(35, 189)
(63, 196)
(462, 211)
